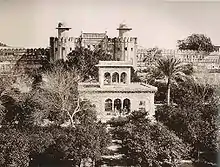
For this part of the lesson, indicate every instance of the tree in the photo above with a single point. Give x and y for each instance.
(145, 143)
(16, 99)
(172, 71)
(152, 55)
(56, 97)
(195, 117)
(195, 125)
(85, 142)
(58, 93)
(14, 147)
(85, 60)
(197, 42)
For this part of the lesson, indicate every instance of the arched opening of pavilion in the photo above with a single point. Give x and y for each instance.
(115, 77)
(123, 78)
(108, 105)
(107, 78)
(126, 106)
(117, 105)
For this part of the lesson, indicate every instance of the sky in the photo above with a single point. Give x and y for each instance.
(156, 23)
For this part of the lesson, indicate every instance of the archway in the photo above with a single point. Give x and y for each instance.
(115, 77)
(123, 78)
(117, 105)
(107, 78)
(108, 105)
(126, 106)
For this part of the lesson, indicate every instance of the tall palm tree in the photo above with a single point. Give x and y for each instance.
(172, 70)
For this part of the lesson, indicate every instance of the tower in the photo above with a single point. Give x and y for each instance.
(124, 30)
(127, 45)
(62, 40)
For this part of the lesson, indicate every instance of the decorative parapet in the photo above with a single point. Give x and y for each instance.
(12, 49)
(93, 35)
(15, 54)
(210, 60)
(114, 63)
(123, 39)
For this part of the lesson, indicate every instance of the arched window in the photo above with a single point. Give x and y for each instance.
(126, 106)
(108, 105)
(107, 78)
(123, 78)
(117, 105)
(115, 77)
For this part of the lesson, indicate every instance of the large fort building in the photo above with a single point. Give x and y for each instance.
(122, 48)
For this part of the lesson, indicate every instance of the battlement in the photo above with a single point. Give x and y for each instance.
(12, 49)
(187, 56)
(18, 51)
(123, 39)
(172, 51)
(93, 35)
(64, 39)
(114, 63)
(178, 52)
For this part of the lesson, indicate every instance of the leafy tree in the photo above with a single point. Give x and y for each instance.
(85, 142)
(2, 113)
(152, 55)
(197, 42)
(195, 118)
(19, 108)
(193, 125)
(14, 147)
(150, 144)
(40, 140)
(85, 61)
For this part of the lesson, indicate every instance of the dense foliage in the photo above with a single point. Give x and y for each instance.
(170, 71)
(194, 118)
(197, 42)
(14, 147)
(85, 61)
(36, 132)
(147, 143)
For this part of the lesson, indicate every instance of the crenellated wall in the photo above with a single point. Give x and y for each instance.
(12, 59)
(198, 59)
(123, 49)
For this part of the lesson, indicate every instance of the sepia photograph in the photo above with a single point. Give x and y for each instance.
(109, 83)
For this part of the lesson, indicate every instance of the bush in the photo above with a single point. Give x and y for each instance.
(118, 121)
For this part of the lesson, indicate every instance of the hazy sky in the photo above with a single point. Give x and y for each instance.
(30, 23)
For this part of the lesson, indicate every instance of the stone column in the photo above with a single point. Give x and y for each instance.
(111, 78)
(119, 78)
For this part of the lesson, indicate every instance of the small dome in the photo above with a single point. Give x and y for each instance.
(61, 25)
(123, 26)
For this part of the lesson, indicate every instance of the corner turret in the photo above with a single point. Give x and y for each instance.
(62, 36)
